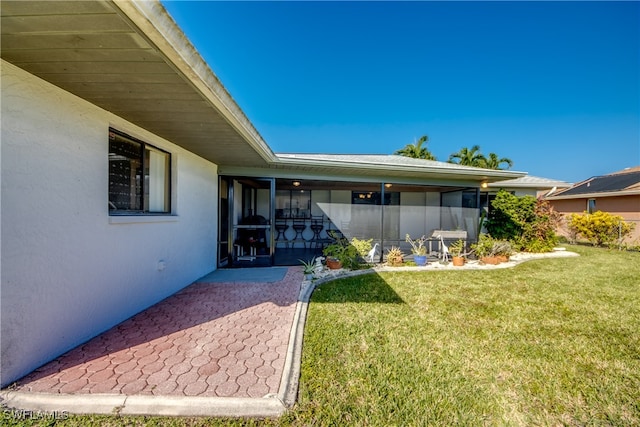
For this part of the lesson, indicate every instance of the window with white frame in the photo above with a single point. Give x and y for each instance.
(139, 176)
(591, 205)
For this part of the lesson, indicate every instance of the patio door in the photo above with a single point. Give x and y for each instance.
(246, 232)
(224, 225)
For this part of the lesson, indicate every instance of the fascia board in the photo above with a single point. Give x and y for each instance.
(541, 186)
(595, 195)
(380, 176)
(473, 173)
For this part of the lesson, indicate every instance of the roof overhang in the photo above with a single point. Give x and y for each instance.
(530, 183)
(130, 58)
(375, 168)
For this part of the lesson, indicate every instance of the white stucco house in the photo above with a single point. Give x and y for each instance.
(128, 172)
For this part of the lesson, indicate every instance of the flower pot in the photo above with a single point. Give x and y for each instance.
(308, 276)
(420, 260)
(334, 264)
(503, 258)
(395, 262)
(458, 261)
(491, 260)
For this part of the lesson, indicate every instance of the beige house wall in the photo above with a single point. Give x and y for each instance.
(628, 207)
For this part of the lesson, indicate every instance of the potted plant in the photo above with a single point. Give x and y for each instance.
(502, 250)
(418, 249)
(484, 249)
(395, 257)
(308, 268)
(456, 249)
(342, 253)
(334, 252)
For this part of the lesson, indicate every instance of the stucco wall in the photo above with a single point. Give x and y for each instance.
(628, 207)
(69, 270)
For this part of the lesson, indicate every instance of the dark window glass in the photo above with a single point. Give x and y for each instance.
(469, 199)
(293, 204)
(139, 176)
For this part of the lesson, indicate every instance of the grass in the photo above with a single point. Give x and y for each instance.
(550, 342)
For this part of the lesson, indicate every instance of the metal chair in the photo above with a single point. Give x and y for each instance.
(281, 228)
(299, 225)
(317, 225)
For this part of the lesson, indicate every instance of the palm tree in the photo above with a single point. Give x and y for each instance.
(416, 150)
(468, 157)
(494, 162)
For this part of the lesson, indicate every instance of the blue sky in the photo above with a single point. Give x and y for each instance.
(555, 86)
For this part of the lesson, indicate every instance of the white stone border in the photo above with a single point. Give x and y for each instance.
(328, 275)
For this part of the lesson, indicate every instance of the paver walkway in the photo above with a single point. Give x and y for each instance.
(209, 340)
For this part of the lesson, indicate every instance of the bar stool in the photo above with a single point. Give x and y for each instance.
(317, 225)
(281, 228)
(299, 226)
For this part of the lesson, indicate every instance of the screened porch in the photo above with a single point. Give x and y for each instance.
(271, 221)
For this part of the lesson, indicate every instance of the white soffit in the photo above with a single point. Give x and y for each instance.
(131, 59)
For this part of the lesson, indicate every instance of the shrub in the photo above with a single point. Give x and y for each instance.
(538, 246)
(509, 214)
(600, 228)
(363, 247)
(483, 246)
(539, 235)
(526, 221)
(350, 254)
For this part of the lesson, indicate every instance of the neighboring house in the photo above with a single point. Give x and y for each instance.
(617, 193)
(128, 172)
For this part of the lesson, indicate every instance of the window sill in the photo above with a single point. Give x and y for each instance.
(141, 219)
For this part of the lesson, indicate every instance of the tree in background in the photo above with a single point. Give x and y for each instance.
(468, 157)
(417, 150)
(473, 157)
(494, 162)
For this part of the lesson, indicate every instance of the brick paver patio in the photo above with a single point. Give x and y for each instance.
(210, 340)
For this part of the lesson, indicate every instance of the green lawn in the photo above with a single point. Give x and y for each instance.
(550, 342)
